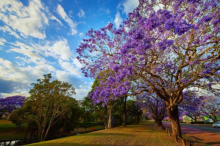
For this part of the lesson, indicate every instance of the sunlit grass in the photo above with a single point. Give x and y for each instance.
(146, 133)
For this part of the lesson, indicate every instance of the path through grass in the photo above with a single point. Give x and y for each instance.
(144, 134)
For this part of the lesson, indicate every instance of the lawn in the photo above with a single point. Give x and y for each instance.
(146, 133)
(9, 131)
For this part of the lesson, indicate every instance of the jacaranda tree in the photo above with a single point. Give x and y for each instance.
(12, 102)
(153, 106)
(192, 105)
(211, 107)
(169, 45)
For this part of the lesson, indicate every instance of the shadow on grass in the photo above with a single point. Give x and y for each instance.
(211, 143)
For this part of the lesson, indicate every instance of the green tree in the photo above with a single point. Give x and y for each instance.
(134, 113)
(48, 104)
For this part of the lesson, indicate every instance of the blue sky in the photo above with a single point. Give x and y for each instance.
(41, 36)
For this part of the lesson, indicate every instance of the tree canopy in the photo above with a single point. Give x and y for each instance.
(168, 45)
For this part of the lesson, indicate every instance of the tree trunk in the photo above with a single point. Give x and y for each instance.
(31, 135)
(215, 119)
(105, 122)
(159, 123)
(109, 108)
(26, 133)
(136, 119)
(124, 112)
(173, 114)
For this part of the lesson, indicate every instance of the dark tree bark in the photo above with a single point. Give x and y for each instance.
(173, 114)
(26, 133)
(124, 112)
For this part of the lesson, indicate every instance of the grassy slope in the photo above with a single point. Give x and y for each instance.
(146, 133)
(9, 131)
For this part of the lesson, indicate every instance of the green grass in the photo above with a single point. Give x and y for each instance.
(9, 131)
(146, 133)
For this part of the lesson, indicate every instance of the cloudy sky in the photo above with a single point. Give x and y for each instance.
(41, 36)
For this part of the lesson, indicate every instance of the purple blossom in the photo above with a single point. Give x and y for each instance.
(151, 23)
(169, 25)
(111, 44)
(216, 21)
(182, 27)
(109, 26)
(12, 102)
(169, 42)
(208, 71)
(116, 68)
(191, 63)
(138, 36)
(206, 18)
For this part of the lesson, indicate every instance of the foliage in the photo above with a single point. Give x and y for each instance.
(191, 105)
(211, 107)
(134, 112)
(153, 106)
(169, 45)
(49, 110)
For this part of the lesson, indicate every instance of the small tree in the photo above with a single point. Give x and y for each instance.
(191, 105)
(153, 106)
(51, 99)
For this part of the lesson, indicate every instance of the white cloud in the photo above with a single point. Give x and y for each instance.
(80, 34)
(58, 49)
(39, 70)
(66, 18)
(81, 13)
(10, 31)
(81, 88)
(70, 68)
(11, 72)
(118, 20)
(27, 74)
(61, 49)
(2, 41)
(77, 63)
(28, 51)
(28, 20)
(18, 79)
(17, 92)
(130, 5)
(56, 19)
(82, 92)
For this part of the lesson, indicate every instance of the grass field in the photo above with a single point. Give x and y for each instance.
(9, 131)
(146, 133)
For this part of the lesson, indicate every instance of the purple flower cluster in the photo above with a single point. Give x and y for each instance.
(12, 102)
(152, 47)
